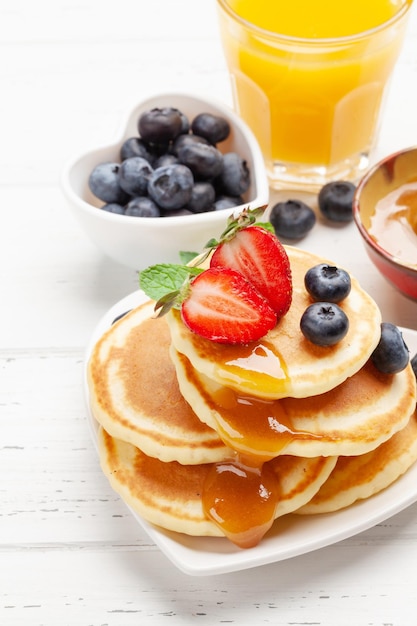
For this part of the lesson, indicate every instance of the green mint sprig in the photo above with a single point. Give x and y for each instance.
(168, 283)
(187, 257)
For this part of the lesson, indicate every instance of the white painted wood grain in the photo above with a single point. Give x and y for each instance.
(357, 584)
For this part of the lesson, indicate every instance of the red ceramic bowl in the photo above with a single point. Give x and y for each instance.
(386, 177)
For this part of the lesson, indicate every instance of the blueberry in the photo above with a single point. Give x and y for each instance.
(324, 323)
(185, 123)
(160, 125)
(335, 201)
(160, 149)
(142, 206)
(292, 219)
(234, 178)
(135, 146)
(165, 159)
(205, 161)
(134, 174)
(182, 140)
(213, 127)
(104, 183)
(391, 354)
(171, 186)
(112, 207)
(202, 199)
(327, 282)
(227, 202)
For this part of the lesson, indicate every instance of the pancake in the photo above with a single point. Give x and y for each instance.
(356, 478)
(284, 363)
(134, 392)
(169, 495)
(351, 419)
(186, 423)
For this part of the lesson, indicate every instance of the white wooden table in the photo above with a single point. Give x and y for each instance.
(70, 551)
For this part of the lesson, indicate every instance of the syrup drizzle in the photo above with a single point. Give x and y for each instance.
(252, 426)
(257, 365)
(241, 500)
(394, 223)
(241, 496)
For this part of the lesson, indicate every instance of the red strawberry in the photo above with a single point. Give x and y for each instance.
(257, 254)
(222, 306)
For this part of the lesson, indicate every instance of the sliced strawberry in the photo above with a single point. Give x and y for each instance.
(224, 307)
(257, 254)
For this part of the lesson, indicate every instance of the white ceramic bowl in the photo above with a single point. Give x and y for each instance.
(139, 242)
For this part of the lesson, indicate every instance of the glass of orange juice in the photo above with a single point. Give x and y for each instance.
(310, 78)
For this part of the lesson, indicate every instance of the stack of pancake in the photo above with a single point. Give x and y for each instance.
(209, 439)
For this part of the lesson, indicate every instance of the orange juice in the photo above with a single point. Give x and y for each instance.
(309, 77)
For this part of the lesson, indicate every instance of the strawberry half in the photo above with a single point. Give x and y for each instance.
(221, 305)
(259, 256)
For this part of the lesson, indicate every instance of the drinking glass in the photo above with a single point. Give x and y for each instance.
(313, 103)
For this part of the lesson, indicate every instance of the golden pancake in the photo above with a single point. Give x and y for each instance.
(134, 392)
(284, 363)
(351, 419)
(169, 495)
(217, 440)
(356, 478)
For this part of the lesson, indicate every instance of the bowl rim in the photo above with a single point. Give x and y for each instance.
(369, 240)
(262, 186)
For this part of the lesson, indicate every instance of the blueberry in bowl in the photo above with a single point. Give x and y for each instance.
(181, 165)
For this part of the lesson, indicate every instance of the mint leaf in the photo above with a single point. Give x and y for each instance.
(159, 280)
(186, 257)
